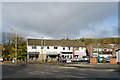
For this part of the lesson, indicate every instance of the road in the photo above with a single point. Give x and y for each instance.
(51, 70)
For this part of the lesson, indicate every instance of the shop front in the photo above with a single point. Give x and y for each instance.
(79, 55)
(33, 55)
(66, 55)
(52, 55)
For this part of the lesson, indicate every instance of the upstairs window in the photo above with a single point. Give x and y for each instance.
(68, 48)
(48, 48)
(55, 47)
(105, 49)
(34, 47)
(42, 47)
(63, 48)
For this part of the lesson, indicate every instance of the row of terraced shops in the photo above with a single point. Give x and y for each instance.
(43, 49)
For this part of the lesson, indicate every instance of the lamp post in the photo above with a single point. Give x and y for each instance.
(15, 45)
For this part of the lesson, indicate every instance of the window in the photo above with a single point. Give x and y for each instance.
(55, 47)
(69, 48)
(98, 49)
(105, 49)
(34, 47)
(82, 47)
(42, 47)
(63, 48)
(47, 47)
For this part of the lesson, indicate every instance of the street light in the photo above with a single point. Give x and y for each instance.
(15, 46)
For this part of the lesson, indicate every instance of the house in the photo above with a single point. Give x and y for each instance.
(103, 50)
(46, 49)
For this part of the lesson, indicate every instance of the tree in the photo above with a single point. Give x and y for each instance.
(105, 42)
(9, 50)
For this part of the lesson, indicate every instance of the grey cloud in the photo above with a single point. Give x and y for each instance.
(58, 20)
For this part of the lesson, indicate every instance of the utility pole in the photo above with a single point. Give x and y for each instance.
(15, 45)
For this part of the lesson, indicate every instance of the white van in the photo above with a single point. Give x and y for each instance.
(118, 56)
(1, 59)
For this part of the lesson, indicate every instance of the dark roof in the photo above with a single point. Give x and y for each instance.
(95, 45)
(69, 43)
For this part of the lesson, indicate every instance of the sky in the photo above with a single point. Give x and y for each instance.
(58, 20)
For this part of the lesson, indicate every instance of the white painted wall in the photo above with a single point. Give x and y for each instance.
(100, 49)
(51, 49)
(105, 55)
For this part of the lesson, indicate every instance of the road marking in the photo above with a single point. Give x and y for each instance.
(71, 76)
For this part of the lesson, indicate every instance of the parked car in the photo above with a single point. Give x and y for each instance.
(62, 60)
(100, 59)
(86, 58)
(75, 59)
(68, 61)
(108, 58)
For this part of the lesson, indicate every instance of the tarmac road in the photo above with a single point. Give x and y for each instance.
(52, 70)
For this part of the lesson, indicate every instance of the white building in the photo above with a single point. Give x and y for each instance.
(55, 48)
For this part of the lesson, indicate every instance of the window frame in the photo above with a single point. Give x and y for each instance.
(34, 47)
(55, 47)
(63, 48)
(48, 47)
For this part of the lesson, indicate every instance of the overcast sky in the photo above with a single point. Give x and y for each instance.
(56, 20)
